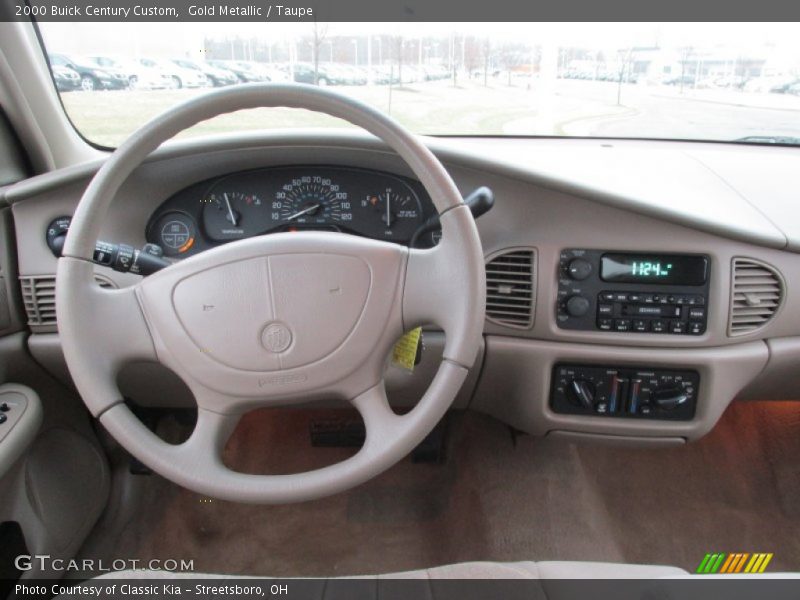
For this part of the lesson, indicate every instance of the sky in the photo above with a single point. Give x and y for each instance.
(133, 38)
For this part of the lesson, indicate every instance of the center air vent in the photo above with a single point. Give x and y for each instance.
(756, 295)
(511, 288)
(39, 297)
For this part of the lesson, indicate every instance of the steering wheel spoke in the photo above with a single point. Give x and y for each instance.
(380, 421)
(111, 320)
(444, 288)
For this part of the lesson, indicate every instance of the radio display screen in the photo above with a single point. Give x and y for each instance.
(668, 269)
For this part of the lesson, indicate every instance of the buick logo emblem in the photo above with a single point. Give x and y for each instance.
(276, 337)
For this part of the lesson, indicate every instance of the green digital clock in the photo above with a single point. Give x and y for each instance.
(670, 269)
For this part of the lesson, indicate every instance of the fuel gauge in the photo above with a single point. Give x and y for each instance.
(397, 214)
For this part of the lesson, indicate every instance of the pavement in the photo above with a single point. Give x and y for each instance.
(564, 107)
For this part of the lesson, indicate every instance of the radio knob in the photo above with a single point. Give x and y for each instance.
(577, 306)
(579, 269)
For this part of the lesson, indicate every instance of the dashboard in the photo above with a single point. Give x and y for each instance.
(622, 303)
(363, 202)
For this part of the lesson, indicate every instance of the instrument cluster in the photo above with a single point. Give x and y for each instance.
(241, 205)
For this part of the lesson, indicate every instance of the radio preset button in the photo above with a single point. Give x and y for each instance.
(640, 325)
(605, 324)
(658, 326)
(622, 325)
(677, 327)
(696, 327)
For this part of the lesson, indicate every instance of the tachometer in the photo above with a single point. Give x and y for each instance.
(232, 215)
(311, 199)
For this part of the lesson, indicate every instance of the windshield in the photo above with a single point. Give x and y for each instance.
(695, 81)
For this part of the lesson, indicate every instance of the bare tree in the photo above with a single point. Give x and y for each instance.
(510, 56)
(320, 32)
(686, 54)
(625, 57)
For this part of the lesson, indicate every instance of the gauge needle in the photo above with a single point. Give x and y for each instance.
(388, 212)
(305, 211)
(230, 210)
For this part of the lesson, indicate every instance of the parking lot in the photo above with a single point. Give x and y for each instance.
(562, 107)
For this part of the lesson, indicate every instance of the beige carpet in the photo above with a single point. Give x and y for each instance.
(498, 497)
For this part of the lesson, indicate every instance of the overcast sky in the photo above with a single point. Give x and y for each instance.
(128, 38)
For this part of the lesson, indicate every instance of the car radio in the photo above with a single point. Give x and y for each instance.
(638, 292)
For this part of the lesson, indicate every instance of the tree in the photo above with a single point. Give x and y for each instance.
(625, 57)
(509, 56)
(686, 54)
(316, 43)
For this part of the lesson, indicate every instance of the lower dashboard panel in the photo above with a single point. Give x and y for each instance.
(516, 382)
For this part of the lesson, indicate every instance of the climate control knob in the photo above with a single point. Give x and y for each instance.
(579, 269)
(581, 393)
(577, 306)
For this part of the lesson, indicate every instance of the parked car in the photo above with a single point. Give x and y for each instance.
(768, 84)
(91, 76)
(679, 80)
(66, 79)
(216, 76)
(263, 71)
(386, 74)
(139, 76)
(243, 73)
(326, 74)
(179, 76)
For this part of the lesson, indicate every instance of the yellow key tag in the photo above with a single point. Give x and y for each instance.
(405, 350)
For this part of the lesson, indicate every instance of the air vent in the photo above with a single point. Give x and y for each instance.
(39, 297)
(756, 295)
(511, 288)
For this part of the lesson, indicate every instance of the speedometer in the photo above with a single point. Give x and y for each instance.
(311, 199)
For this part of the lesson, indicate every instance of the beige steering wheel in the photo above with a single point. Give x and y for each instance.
(273, 320)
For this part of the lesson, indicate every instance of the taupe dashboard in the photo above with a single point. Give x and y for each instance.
(591, 198)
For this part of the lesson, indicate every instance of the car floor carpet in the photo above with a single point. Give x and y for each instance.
(498, 496)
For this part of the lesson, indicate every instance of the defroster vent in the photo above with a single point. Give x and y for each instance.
(511, 287)
(756, 295)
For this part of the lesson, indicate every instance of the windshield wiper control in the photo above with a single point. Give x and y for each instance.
(479, 202)
(127, 259)
(120, 257)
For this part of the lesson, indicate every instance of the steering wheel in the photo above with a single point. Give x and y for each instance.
(273, 320)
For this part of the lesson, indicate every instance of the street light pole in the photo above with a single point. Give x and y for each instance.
(355, 49)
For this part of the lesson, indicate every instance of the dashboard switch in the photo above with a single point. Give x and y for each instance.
(670, 398)
(579, 269)
(577, 306)
(624, 392)
(582, 393)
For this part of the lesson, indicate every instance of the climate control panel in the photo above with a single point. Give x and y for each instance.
(630, 292)
(629, 392)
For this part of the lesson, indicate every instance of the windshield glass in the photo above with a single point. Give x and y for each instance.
(695, 81)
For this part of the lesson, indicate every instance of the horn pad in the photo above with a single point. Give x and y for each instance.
(276, 312)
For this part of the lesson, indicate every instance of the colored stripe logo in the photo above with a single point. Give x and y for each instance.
(737, 562)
